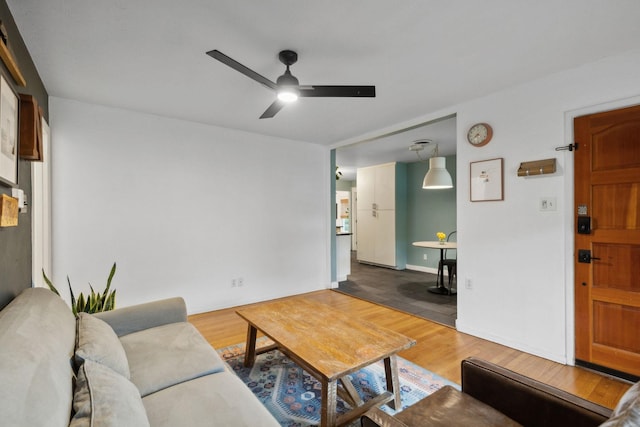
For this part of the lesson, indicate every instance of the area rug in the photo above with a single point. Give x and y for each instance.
(293, 396)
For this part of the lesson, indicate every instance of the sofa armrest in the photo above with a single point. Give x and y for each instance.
(136, 318)
(526, 400)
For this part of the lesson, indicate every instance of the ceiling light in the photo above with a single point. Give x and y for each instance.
(438, 176)
(287, 87)
(288, 94)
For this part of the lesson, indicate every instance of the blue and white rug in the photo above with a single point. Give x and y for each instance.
(293, 396)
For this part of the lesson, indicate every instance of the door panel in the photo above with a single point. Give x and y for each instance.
(607, 289)
(606, 313)
(366, 235)
(386, 238)
(616, 206)
(386, 186)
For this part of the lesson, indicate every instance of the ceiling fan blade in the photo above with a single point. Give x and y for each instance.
(273, 109)
(338, 91)
(216, 54)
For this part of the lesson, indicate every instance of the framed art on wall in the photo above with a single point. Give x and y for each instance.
(487, 180)
(8, 134)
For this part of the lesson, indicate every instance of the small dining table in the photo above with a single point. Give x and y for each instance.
(440, 288)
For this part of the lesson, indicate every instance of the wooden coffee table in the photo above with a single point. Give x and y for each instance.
(329, 344)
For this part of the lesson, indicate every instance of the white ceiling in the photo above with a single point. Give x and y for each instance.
(395, 146)
(422, 55)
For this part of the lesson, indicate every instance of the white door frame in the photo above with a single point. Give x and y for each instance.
(41, 212)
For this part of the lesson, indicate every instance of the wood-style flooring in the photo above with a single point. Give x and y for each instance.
(404, 290)
(439, 348)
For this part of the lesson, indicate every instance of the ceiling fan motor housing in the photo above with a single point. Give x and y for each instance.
(288, 57)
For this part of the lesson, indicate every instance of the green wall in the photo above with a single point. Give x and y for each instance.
(344, 185)
(428, 211)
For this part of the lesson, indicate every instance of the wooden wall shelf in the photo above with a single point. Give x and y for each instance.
(537, 167)
(11, 64)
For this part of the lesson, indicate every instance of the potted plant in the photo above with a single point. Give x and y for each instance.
(94, 302)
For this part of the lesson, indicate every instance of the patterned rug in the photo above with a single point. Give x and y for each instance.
(293, 396)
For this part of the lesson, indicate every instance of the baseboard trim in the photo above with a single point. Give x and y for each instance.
(461, 326)
(609, 371)
(425, 269)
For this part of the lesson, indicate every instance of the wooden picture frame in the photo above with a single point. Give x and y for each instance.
(9, 151)
(487, 180)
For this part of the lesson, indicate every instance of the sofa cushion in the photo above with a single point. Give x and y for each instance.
(166, 355)
(220, 399)
(37, 335)
(627, 411)
(104, 398)
(97, 341)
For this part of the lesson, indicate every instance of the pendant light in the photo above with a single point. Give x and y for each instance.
(438, 176)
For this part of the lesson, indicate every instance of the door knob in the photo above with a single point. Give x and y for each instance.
(584, 256)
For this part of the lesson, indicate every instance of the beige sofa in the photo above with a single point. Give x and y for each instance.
(136, 366)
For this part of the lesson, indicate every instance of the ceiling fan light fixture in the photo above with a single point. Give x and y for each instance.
(288, 93)
(288, 87)
(438, 177)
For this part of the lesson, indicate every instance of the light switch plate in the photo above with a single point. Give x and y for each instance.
(548, 204)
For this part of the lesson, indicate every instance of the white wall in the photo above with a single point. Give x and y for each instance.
(183, 208)
(519, 260)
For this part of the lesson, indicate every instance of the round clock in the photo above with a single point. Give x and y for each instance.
(480, 134)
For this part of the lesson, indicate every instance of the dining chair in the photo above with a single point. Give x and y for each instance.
(450, 263)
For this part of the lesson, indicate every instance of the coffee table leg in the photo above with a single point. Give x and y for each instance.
(393, 383)
(328, 414)
(250, 348)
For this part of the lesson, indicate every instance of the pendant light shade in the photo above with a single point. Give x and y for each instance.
(438, 177)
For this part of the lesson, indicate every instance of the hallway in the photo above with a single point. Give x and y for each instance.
(404, 290)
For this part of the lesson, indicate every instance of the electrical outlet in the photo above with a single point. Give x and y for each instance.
(233, 283)
(240, 281)
(425, 257)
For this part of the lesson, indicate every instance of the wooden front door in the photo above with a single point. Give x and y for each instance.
(607, 240)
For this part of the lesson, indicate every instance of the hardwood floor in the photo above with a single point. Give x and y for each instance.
(439, 348)
(405, 290)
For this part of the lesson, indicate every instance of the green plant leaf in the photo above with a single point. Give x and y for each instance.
(81, 305)
(111, 274)
(73, 298)
(48, 282)
(110, 302)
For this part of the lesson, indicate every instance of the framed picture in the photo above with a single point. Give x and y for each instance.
(8, 134)
(487, 180)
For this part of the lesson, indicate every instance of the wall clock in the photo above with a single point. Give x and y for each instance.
(480, 134)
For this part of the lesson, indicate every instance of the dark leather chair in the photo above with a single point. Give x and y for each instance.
(495, 396)
(450, 263)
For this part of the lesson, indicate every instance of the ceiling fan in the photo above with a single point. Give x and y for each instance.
(287, 87)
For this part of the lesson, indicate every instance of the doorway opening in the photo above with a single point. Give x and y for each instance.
(402, 284)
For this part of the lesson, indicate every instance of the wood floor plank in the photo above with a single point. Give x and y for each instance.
(439, 348)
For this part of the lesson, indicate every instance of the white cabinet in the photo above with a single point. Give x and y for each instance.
(381, 215)
(343, 256)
